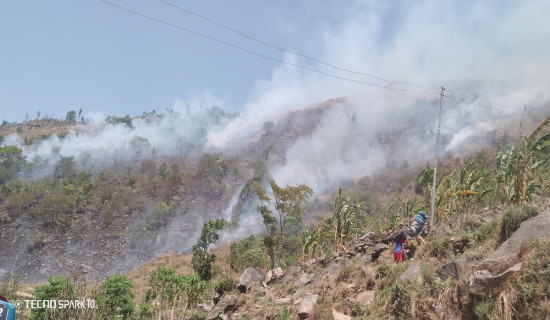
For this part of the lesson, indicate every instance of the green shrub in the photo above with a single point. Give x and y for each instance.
(513, 217)
(248, 252)
(486, 231)
(440, 248)
(284, 314)
(223, 284)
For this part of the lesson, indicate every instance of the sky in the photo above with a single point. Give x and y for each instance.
(59, 56)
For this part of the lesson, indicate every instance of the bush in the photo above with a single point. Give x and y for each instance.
(512, 218)
(440, 248)
(249, 252)
(486, 231)
(224, 284)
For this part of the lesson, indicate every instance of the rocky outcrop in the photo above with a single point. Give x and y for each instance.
(534, 228)
(228, 303)
(273, 275)
(412, 273)
(457, 268)
(249, 277)
(307, 305)
(290, 274)
(484, 283)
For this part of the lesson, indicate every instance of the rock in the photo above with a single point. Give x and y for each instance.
(336, 266)
(339, 316)
(534, 228)
(228, 303)
(298, 294)
(305, 310)
(460, 244)
(290, 274)
(286, 300)
(365, 298)
(412, 273)
(302, 280)
(249, 277)
(268, 277)
(378, 249)
(483, 283)
(369, 235)
(456, 268)
(278, 273)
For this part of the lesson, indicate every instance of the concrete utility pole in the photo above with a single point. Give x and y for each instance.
(435, 162)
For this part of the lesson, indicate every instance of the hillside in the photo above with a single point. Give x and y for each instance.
(100, 199)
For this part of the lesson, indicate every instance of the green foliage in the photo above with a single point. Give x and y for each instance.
(486, 231)
(284, 314)
(161, 209)
(440, 248)
(115, 300)
(65, 168)
(57, 209)
(512, 219)
(145, 311)
(202, 260)
(70, 117)
(223, 284)
(483, 308)
(11, 162)
(58, 288)
(10, 285)
(290, 204)
(248, 252)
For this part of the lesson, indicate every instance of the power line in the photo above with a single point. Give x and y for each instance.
(289, 51)
(261, 55)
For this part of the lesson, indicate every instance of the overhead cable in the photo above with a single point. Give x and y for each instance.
(264, 56)
(289, 51)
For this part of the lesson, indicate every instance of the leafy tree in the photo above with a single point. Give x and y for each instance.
(162, 287)
(11, 162)
(58, 288)
(290, 206)
(202, 260)
(517, 168)
(65, 168)
(70, 117)
(342, 220)
(115, 299)
(58, 208)
(248, 252)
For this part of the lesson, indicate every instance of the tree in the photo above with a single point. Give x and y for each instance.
(58, 288)
(116, 299)
(70, 117)
(290, 205)
(162, 287)
(65, 168)
(342, 220)
(517, 168)
(202, 260)
(11, 162)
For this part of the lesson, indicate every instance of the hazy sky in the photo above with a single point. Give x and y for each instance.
(57, 56)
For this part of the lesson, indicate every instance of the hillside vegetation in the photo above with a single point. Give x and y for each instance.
(308, 258)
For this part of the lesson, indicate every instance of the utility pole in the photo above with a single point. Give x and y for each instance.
(435, 162)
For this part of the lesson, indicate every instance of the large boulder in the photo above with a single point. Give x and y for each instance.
(484, 283)
(412, 273)
(228, 303)
(303, 279)
(456, 268)
(307, 305)
(335, 267)
(534, 228)
(249, 277)
(290, 274)
(339, 316)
